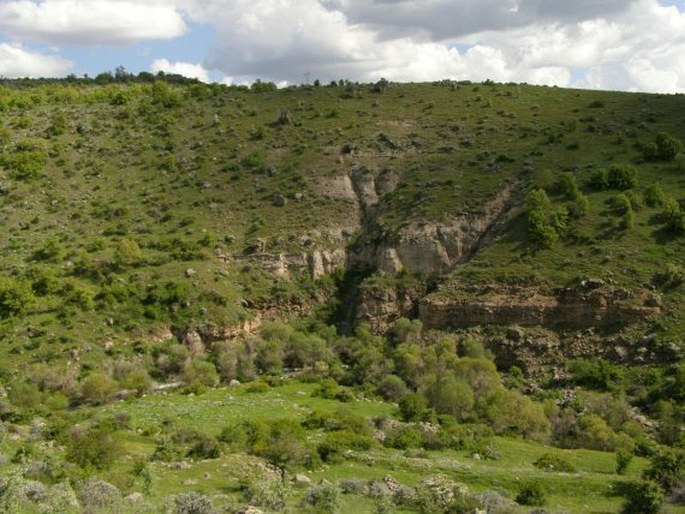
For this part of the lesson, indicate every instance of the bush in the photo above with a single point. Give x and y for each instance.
(643, 498)
(392, 388)
(617, 176)
(664, 148)
(413, 407)
(98, 388)
(92, 448)
(404, 439)
(266, 493)
(336, 443)
(654, 196)
(552, 462)
(545, 221)
(99, 496)
(623, 459)
(205, 448)
(438, 494)
(667, 469)
(192, 503)
(622, 176)
(15, 297)
(673, 216)
(324, 497)
(532, 493)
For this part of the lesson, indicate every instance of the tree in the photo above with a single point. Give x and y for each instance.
(545, 222)
(284, 446)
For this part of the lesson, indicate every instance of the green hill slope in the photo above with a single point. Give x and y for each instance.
(514, 254)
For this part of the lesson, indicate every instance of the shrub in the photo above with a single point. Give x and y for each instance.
(655, 196)
(193, 503)
(545, 221)
(670, 277)
(413, 407)
(404, 438)
(266, 493)
(643, 498)
(532, 493)
(98, 496)
(664, 148)
(438, 494)
(622, 176)
(92, 448)
(325, 498)
(98, 388)
(392, 388)
(623, 459)
(552, 462)
(617, 176)
(15, 297)
(205, 448)
(673, 216)
(667, 468)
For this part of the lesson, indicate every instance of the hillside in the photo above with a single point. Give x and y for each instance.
(158, 233)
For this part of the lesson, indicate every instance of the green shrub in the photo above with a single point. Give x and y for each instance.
(554, 462)
(404, 438)
(670, 277)
(545, 221)
(623, 459)
(654, 196)
(205, 448)
(664, 148)
(413, 407)
(98, 388)
(622, 176)
(667, 468)
(92, 448)
(673, 216)
(324, 498)
(15, 297)
(193, 503)
(532, 493)
(643, 498)
(336, 443)
(617, 176)
(266, 493)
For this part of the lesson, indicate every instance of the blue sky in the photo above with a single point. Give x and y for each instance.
(605, 44)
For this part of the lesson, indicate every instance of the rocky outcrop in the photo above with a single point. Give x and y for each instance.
(380, 307)
(573, 307)
(317, 263)
(435, 248)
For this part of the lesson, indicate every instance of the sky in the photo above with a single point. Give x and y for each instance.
(628, 45)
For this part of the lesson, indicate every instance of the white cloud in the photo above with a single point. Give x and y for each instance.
(90, 21)
(17, 62)
(609, 44)
(187, 69)
(615, 44)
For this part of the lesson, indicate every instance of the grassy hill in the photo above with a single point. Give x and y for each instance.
(402, 237)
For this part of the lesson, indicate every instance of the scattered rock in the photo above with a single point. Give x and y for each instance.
(234, 383)
(280, 201)
(190, 481)
(190, 272)
(302, 479)
(134, 497)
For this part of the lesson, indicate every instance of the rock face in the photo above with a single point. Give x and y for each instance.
(435, 248)
(381, 307)
(528, 307)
